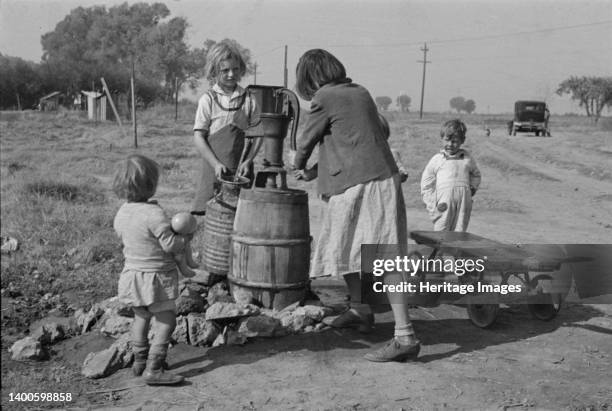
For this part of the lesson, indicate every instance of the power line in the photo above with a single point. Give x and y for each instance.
(476, 38)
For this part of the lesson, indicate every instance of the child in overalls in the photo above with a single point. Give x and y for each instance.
(223, 114)
(450, 180)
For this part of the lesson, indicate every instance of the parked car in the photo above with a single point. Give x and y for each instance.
(530, 117)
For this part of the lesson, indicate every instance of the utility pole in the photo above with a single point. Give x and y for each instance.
(176, 91)
(285, 69)
(255, 74)
(424, 61)
(132, 86)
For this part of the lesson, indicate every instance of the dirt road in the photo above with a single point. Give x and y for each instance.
(539, 190)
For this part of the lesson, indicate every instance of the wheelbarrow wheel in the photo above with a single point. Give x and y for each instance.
(546, 311)
(483, 315)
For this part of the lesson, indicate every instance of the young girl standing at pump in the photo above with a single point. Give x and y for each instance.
(223, 114)
(359, 180)
(450, 180)
(149, 281)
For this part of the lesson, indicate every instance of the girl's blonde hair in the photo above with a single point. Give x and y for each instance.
(453, 128)
(136, 179)
(316, 68)
(223, 50)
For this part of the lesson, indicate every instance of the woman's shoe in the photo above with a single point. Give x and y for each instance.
(364, 323)
(394, 351)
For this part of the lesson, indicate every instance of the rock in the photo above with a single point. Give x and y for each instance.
(259, 326)
(106, 362)
(223, 310)
(240, 295)
(9, 245)
(180, 334)
(102, 364)
(320, 327)
(290, 307)
(200, 277)
(68, 324)
(26, 349)
(296, 322)
(200, 331)
(85, 320)
(218, 293)
(316, 313)
(189, 302)
(235, 338)
(49, 333)
(229, 337)
(114, 306)
(116, 325)
(195, 287)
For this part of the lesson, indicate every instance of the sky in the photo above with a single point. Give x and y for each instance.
(493, 52)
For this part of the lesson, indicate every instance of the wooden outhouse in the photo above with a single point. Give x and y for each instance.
(96, 105)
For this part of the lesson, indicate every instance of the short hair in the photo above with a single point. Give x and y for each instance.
(316, 68)
(223, 50)
(453, 128)
(136, 179)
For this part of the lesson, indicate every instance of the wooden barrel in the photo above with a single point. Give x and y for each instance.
(270, 247)
(218, 225)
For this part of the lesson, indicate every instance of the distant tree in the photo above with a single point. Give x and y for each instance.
(469, 106)
(457, 103)
(403, 102)
(95, 42)
(20, 83)
(383, 102)
(592, 93)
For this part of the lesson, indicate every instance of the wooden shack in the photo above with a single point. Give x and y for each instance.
(96, 105)
(51, 101)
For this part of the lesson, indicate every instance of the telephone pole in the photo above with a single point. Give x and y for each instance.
(255, 73)
(424, 61)
(285, 69)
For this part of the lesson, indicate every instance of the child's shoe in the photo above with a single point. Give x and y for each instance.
(154, 374)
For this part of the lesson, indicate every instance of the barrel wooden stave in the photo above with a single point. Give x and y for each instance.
(270, 250)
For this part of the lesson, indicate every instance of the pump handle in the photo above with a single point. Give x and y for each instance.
(295, 106)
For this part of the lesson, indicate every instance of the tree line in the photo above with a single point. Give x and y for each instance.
(90, 43)
(592, 93)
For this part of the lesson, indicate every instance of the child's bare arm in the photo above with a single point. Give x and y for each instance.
(428, 186)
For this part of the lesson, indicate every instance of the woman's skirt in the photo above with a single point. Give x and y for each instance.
(369, 213)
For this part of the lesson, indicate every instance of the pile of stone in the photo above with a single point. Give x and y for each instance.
(206, 316)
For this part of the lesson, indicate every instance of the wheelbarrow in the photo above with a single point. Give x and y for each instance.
(533, 269)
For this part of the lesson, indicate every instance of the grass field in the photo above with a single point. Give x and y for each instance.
(56, 172)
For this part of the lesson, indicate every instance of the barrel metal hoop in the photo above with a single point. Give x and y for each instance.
(279, 286)
(219, 200)
(287, 242)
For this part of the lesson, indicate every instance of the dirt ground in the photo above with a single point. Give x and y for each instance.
(535, 190)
